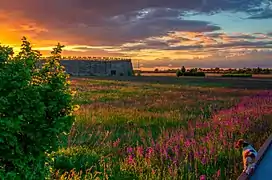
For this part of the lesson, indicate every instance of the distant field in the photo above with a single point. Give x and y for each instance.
(207, 74)
(209, 81)
(143, 128)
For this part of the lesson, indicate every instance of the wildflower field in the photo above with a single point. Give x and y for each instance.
(142, 130)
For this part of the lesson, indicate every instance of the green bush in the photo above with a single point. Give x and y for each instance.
(237, 75)
(178, 73)
(194, 74)
(35, 110)
(77, 158)
(183, 69)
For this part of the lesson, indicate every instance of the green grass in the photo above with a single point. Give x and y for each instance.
(200, 74)
(209, 84)
(237, 75)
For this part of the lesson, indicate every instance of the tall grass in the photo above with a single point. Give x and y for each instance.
(153, 131)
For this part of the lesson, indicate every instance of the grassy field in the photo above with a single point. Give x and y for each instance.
(145, 129)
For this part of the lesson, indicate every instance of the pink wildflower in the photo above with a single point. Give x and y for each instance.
(202, 177)
(131, 159)
(218, 173)
(140, 151)
(116, 143)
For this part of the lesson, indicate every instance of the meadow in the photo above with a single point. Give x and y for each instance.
(143, 130)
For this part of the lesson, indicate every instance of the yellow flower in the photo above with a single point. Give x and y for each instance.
(73, 93)
(76, 107)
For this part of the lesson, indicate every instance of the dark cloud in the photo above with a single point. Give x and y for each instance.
(178, 40)
(154, 44)
(238, 44)
(214, 35)
(117, 31)
(87, 52)
(161, 45)
(244, 44)
(241, 36)
(104, 22)
(107, 8)
(164, 45)
(148, 44)
(266, 14)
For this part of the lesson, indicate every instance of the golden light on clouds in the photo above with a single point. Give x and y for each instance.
(14, 26)
(189, 46)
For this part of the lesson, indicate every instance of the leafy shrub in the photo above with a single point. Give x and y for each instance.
(193, 70)
(194, 74)
(183, 69)
(178, 73)
(35, 110)
(77, 158)
(237, 75)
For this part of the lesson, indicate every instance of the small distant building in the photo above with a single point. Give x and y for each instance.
(97, 66)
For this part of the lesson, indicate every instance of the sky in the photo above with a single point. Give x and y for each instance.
(155, 33)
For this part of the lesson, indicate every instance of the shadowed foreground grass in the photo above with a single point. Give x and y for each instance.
(128, 130)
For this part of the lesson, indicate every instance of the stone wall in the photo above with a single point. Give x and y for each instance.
(98, 67)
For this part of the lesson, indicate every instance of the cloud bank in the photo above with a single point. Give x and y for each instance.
(139, 29)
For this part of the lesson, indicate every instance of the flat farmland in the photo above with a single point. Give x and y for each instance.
(208, 81)
(162, 127)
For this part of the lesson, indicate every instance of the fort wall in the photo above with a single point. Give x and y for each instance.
(97, 67)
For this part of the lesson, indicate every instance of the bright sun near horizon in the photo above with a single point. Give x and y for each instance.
(205, 34)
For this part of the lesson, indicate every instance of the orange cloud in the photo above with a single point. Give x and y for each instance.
(14, 25)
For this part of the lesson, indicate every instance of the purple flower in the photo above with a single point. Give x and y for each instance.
(129, 150)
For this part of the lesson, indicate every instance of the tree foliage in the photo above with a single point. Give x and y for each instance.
(35, 110)
(183, 69)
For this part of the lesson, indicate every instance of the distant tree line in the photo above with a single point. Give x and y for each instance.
(245, 70)
(217, 70)
(190, 72)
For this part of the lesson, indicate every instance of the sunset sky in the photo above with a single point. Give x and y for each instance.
(158, 33)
